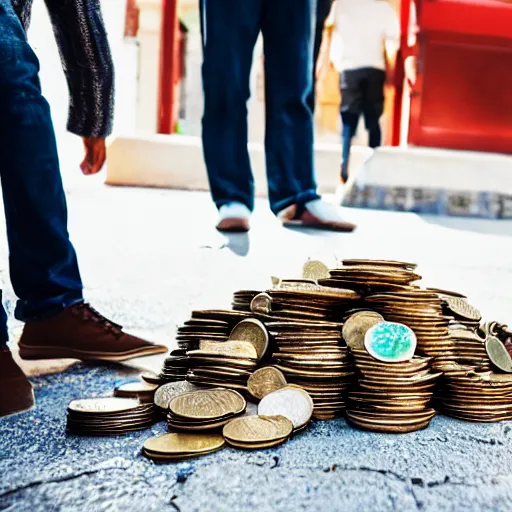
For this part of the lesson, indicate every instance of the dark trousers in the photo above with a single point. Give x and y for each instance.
(42, 262)
(323, 7)
(229, 30)
(362, 94)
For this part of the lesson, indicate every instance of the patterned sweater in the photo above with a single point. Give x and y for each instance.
(86, 59)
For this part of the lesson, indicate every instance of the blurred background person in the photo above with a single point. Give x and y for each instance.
(87, 62)
(363, 49)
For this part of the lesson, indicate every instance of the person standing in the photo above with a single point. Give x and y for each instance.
(364, 46)
(87, 62)
(42, 261)
(229, 30)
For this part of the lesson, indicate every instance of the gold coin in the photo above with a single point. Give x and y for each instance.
(356, 326)
(229, 348)
(164, 394)
(380, 263)
(184, 444)
(292, 402)
(261, 303)
(254, 332)
(265, 381)
(208, 404)
(498, 354)
(315, 270)
(258, 429)
(256, 446)
(462, 308)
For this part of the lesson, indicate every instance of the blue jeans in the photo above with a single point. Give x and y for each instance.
(42, 262)
(229, 30)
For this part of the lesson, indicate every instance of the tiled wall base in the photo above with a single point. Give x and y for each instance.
(489, 205)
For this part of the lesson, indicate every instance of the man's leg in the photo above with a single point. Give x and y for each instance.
(43, 266)
(323, 8)
(374, 105)
(350, 110)
(286, 27)
(229, 29)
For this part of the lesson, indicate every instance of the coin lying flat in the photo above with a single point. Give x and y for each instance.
(164, 394)
(498, 354)
(230, 348)
(357, 325)
(136, 390)
(207, 404)
(390, 341)
(257, 430)
(291, 402)
(265, 381)
(103, 405)
(175, 446)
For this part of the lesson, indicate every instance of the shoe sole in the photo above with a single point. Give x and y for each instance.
(29, 353)
(340, 227)
(6, 413)
(233, 225)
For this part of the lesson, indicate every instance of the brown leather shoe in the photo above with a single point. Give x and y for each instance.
(80, 332)
(16, 393)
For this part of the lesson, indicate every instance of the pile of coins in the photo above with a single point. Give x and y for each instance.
(204, 325)
(230, 363)
(392, 397)
(207, 409)
(480, 397)
(108, 416)
(315, 357)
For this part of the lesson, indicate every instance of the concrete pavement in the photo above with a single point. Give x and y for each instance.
(149, 257)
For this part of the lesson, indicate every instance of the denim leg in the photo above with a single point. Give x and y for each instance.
(4, 334)
(350, 122)
(229, 30)
(287, 31)
(43, 265)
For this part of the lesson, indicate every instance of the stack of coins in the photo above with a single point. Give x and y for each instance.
(205, 325)
(257, 432)
(242, 300)
(392, 397)
(395, 387)
(108, 416)
(143, 391)
(422, 311)
(207, 409)
(308, 301)
(468, 351)
(175, 366)
(373, 276)
(181, 446)
(230, 363)
(480, 397)
(314, 356)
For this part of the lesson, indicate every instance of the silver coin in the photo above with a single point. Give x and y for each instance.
(164, 394)
(291, 402)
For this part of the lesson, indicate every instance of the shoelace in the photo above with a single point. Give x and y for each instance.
(88, 313)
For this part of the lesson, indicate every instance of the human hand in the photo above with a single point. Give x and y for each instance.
(95, 155)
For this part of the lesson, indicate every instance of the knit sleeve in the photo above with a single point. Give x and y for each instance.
(87, 62)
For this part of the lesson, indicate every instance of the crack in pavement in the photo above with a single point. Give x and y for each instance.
(57, 480)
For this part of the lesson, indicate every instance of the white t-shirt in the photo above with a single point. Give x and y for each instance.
(361, 29)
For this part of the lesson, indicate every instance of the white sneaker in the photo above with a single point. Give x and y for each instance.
(234, 218)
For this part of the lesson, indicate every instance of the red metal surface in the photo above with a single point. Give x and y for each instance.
(169, 68)
(396, 123)
(463, 96)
